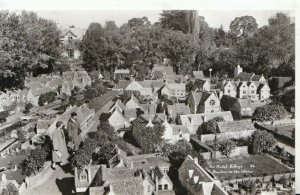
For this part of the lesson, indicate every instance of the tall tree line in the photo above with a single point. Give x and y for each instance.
(28, 44)
(185, 38)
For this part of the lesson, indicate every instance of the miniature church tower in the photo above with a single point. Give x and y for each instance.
(237, 70)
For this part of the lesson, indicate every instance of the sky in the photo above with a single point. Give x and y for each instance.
(215, 18)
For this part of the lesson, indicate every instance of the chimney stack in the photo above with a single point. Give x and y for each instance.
(191, 173)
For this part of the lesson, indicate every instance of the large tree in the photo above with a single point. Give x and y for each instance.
(28, 45)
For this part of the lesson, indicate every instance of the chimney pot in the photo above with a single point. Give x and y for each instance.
(196, 160)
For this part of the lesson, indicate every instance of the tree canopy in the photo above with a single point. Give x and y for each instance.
(28, 44)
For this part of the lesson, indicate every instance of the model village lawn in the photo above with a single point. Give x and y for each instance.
(256, 166)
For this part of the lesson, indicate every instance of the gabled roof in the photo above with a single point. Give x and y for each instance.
(197, 96)
(118, 104)
(232, 126)
(122, 84)
(205, 96)
(262, 85)
(198, 84)
(256, 77)
(76, 32)
(40, 91)
(244, 76)
(179, 108)
(198, 74)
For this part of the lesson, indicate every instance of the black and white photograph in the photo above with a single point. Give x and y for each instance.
(162, 101)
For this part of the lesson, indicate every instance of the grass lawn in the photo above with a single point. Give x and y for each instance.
(257, 166)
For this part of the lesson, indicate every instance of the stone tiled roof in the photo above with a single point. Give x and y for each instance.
(227, 116)
(44, 124)
(178, 109)
(256, 77)
(198, 74)
(197, 97)
(244, 76)
(198, 84)
(122, 84)
(179, 128)
(40, 91)
(241, 125)
(168, 70)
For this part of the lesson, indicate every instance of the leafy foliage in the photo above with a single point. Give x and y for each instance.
(269, 112)
(28, 106)
(262, 142)
(177, 153)
(226, 147)
(288, 98)
(210, 126)
(10, 189)
(47, 98)
(28, 44)
(151, 139)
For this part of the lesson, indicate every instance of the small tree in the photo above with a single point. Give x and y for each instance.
(47, 98)
(21, 137)
(269, 112)
(226, 147)
(28, 106)
(35, 162)
(209, 127)
(3, 116)
(262, 142)
(10, 189)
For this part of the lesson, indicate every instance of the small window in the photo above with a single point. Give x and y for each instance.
(244, 92)
(166, 186)
(160, 187)
(228, 91)
(149, 188)
(180, 135)
(253, 92)
(252, 86)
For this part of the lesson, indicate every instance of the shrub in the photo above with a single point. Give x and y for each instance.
(226, 147)
(47, 98)
(269, 112)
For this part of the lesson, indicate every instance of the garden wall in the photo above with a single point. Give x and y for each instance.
(226, 136)
(280, 122)
(237, 151)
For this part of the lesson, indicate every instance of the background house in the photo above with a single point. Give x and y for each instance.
(70, 38)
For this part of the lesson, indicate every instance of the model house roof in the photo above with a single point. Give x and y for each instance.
(40, 91)
(244, 76)
(241, 125)
(256, 77)
(198, 84)
(198, 74)
(78, 33)
(197, 96)
(197, 178)
(122, 84)
(167, 70)
(122, 71)
(227, 116)
(179, 108)
(177, 129)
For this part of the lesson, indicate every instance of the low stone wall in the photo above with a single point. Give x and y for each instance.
(281, 122)
(237, 151)
(226, 136)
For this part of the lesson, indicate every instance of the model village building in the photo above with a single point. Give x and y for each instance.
(246, 85)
